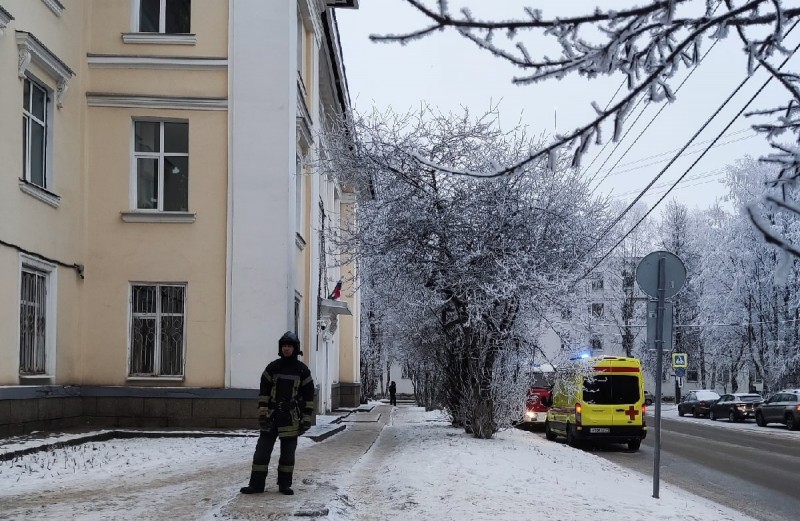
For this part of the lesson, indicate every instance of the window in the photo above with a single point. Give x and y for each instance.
(35, 101)
(164, 16)
(627, 279)
(597, 343)
(611, 389)
(299, 199)
(566, 313)
(301, 49)
(161, 166)
(691, 375)
(157, 329)
(32, 322)
(297, 312)
(596, 310)
(597, 283)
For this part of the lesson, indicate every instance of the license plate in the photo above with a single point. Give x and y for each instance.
(599, 430)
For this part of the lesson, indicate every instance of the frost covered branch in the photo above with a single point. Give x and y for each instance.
(647, 45)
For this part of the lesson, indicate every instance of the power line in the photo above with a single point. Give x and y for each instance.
(685, 154)
(700, 175)
(699, 143)
(732, 121)
(723, 324)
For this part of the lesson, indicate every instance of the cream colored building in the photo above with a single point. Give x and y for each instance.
(161, 223)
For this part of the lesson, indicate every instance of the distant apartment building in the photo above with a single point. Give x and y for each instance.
(161, 221)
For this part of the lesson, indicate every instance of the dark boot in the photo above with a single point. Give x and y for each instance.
(256, 484)
(286, 490)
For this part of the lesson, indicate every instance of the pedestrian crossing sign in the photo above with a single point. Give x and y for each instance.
(679, 360)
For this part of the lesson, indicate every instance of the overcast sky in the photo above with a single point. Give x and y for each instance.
(448, 71)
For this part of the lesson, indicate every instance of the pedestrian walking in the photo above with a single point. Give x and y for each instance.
(285, 406)
(392, 393)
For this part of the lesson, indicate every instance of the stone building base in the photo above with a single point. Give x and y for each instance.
(345, 394)
(52, 408)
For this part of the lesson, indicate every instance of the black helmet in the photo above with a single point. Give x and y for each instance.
(290, 338)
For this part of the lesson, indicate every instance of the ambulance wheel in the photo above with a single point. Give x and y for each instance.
(549, 434)
(572, 439)
(634, 444)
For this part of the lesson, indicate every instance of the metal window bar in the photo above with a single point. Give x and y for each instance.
(157, 330)
(32, 323)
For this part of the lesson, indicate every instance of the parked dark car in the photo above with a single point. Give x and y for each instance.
(782, 407)
(697, 403)
(736, 407)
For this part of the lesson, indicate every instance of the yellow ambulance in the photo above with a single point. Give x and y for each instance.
(599, 399)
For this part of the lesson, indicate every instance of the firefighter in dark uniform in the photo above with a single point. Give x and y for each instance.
(285, 406)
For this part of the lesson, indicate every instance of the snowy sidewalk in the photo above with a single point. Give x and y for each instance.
(388, 464)
(174, 478)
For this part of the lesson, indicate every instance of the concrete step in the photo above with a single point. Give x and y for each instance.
(321, 432)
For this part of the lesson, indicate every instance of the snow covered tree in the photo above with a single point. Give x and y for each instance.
(472, 264)
(647, 45)
(751, 298)
(681, 233)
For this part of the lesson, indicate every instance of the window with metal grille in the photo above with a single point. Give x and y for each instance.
(597, 283)
(157, 329)
(165, 16)
(34, 133)
(596, 310)
(32, 322)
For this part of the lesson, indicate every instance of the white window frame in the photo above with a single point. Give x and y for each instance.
(29, 118)
(157, 316)
(299, 184)
(298, 313)
(162, 18)
(160, 155)
(50, 272)
(159, 38)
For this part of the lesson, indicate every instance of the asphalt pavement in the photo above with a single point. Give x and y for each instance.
(755, 471)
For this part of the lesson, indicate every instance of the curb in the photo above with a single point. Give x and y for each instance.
(321, 432)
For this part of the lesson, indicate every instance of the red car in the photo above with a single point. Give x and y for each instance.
(539, 401)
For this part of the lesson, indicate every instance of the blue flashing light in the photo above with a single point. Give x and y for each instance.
(581, 355)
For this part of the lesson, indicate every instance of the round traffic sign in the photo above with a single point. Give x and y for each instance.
(674, 271)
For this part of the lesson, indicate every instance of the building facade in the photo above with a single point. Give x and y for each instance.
(167, 223)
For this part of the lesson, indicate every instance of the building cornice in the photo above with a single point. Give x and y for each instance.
(32, 50)
(5, 19)
(126, 61)
(101, 99)
(160, 38)
(55, 6)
